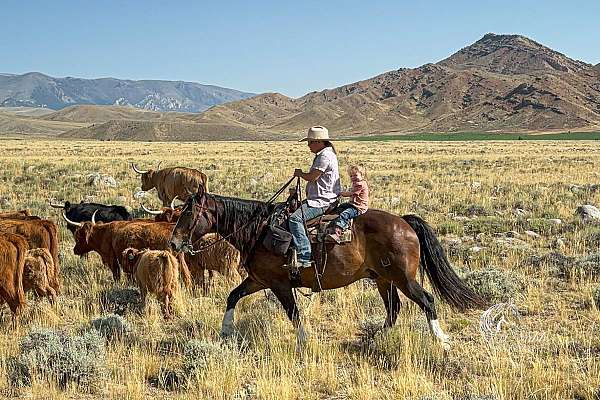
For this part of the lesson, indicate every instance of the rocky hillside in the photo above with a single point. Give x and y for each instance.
(501, 82)
(38, 90)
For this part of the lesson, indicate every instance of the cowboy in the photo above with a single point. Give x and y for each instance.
(322, 190)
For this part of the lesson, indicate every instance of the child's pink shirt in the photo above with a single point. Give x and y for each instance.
(360, 195)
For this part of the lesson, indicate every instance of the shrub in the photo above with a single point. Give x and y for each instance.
(589, 265)
(56, 356)
(486, 225)
(197, 354)
(471, 210)
(557, 263)
(111, 326)
(119, 301)
(369, 327)
(494, 285)
(592, 238)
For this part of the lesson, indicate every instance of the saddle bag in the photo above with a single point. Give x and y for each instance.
(277, 240)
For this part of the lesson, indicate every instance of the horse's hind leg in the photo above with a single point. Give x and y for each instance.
(248, 286)
(286, 297)
(391, 300)
(424, 299)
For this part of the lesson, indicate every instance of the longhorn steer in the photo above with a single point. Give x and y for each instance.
(83, 212)
(109, 240)
(171, 182)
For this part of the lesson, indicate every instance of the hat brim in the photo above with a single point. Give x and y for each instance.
(307, 139)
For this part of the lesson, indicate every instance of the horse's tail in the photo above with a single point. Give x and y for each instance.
(446, 283)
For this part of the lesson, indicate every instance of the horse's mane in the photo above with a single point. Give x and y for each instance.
(235, 218)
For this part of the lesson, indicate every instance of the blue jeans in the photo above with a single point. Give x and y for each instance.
(346, 212)
(298, 232)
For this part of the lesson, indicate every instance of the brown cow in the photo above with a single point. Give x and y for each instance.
(109, 240)
(171, 182)
(221, 257)
(155, 271)
(21, 214)
(38, 267)
(40, 233)
(12, 261)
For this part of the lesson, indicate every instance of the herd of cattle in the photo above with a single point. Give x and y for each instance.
(29, 259)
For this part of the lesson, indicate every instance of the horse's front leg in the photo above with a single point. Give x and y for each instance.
(248, 286)
(286, 297)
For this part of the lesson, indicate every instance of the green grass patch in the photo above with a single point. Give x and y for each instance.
(470, 136)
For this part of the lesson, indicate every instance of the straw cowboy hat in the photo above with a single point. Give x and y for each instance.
(317, 133)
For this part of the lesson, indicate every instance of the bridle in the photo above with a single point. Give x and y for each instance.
(187, 244)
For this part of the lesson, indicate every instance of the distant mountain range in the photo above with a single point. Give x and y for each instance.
(38, 90)
(501, 83)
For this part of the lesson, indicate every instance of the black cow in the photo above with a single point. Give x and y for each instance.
(83, 212)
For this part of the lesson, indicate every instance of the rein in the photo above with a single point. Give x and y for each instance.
(189, 245)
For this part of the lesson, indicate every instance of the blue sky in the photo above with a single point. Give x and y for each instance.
(264, 46)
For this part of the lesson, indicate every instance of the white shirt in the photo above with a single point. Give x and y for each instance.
(326, 189)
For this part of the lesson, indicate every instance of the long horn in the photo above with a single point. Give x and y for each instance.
(137, 170)
(56, 205)
(152, 212)
(158, 166)
(173, 203)
(94, 217)
(77, 224)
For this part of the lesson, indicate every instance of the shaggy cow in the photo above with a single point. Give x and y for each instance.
(111, 239)
(83, 212)
(156, 272)
(39, 233)
(171, 182)
(12, 260)
(221, 257)
(38, 267)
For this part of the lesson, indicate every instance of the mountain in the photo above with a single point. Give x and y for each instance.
(38, 90)
(506, 83)
(500, 82)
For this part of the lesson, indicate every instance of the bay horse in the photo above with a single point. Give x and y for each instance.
(385, 247)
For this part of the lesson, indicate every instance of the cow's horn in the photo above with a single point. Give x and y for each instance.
(152, 212)
(56, 205)
(94, 217)
(78, 224)
(173, 203)
(137, 170)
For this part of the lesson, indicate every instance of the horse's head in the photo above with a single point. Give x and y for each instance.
(198, 216)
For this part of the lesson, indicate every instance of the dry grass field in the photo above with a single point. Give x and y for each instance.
(471, 193)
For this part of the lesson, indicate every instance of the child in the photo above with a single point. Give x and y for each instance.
(358, 204)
